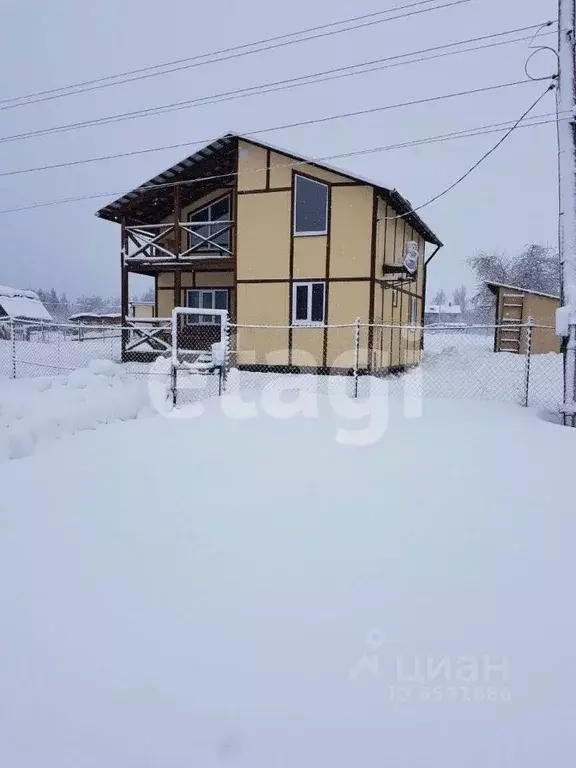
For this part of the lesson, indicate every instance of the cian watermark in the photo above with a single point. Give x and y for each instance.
(427, 677)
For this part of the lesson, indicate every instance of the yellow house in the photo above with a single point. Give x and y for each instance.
(297, 248)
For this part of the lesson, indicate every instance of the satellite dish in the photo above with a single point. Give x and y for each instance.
(411, 256)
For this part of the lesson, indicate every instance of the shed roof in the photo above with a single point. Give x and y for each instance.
(494, 286)
(195, 168)
(22, 305)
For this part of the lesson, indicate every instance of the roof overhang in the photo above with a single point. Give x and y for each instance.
(214, 166)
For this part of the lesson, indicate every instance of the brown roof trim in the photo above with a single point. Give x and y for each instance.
(492, 284)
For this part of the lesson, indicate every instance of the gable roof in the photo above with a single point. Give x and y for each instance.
(24, 305)
(191, 168)
(492, 284)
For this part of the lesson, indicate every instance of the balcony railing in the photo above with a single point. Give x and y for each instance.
(161, 243)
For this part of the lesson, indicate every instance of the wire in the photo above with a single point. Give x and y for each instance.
(280, 85)
(235, 52)
(321, 120)
(486, 155)
(470, 132)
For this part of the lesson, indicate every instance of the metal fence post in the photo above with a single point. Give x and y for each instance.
(13, 346)
(529, 326)
(356, 354)
(226, 356)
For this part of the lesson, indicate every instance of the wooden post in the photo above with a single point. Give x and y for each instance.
(124, 287)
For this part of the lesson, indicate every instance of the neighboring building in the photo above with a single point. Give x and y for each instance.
(16, 304)
(440, 314)
(146, 309)
(92, 318)
(514, 305)
(278, 240)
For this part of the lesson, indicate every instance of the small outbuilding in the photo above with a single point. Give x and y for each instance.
(16, 304)
(514, 305)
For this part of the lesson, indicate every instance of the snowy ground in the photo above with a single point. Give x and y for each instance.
(35, 412)
(260, 592)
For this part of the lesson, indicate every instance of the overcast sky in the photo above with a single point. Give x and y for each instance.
(509, 202)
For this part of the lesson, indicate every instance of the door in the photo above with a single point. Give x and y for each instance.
(202, 330)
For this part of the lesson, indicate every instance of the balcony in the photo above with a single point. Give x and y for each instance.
(182, 242)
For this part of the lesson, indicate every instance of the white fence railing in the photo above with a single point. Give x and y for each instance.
(456, 361)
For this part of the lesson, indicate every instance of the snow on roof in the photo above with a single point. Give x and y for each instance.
(94, 316)
(442, 309)
(17, 303)
(491, 283)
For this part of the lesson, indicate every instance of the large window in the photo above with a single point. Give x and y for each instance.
(308, 303)
(206, 299)
(209, 223)
(310, 207)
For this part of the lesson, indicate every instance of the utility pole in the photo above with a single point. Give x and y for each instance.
(567, 180)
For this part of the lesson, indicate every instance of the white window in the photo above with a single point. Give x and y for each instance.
(308, 303)
(310, 207)
(211, 231)
(413, 311)
(206, 299)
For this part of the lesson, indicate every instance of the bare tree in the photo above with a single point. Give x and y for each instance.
(440, 297)
(460, 298)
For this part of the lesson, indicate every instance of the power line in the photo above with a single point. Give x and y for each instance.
(231, 53)
(479, 162)
(310, 79)
(466, 133)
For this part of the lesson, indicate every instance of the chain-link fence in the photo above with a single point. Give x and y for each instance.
(435, 361)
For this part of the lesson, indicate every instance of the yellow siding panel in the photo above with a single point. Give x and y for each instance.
(263, 304)
(281, 167)
(263, 236)
(214, 279)
(347, 301)
(308, 347)
(165, 303)
(252, 161)
(166, 280)
(280, 170)
(351, 231)
(310, 257)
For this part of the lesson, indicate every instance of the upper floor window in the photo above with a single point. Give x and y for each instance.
(211, 233)
(310, 207)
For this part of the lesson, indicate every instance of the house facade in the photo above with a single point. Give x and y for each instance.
(283, 242)
(514, 305)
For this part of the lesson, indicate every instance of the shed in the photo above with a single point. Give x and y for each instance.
(145, 309)
(92, 318)
(16, 304)
(514, 305)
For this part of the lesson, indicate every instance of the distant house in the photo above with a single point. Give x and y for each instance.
(92, 318)
(514, 305)
(440, 314)
(146, 309)
(16, 304)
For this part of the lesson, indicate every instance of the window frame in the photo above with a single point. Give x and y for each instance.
(308, 284)
(211, 247)
(307, 233)
(196, 320)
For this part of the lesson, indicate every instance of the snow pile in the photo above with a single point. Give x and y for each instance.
(251, 592)
(15, 293)
(34, 412)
